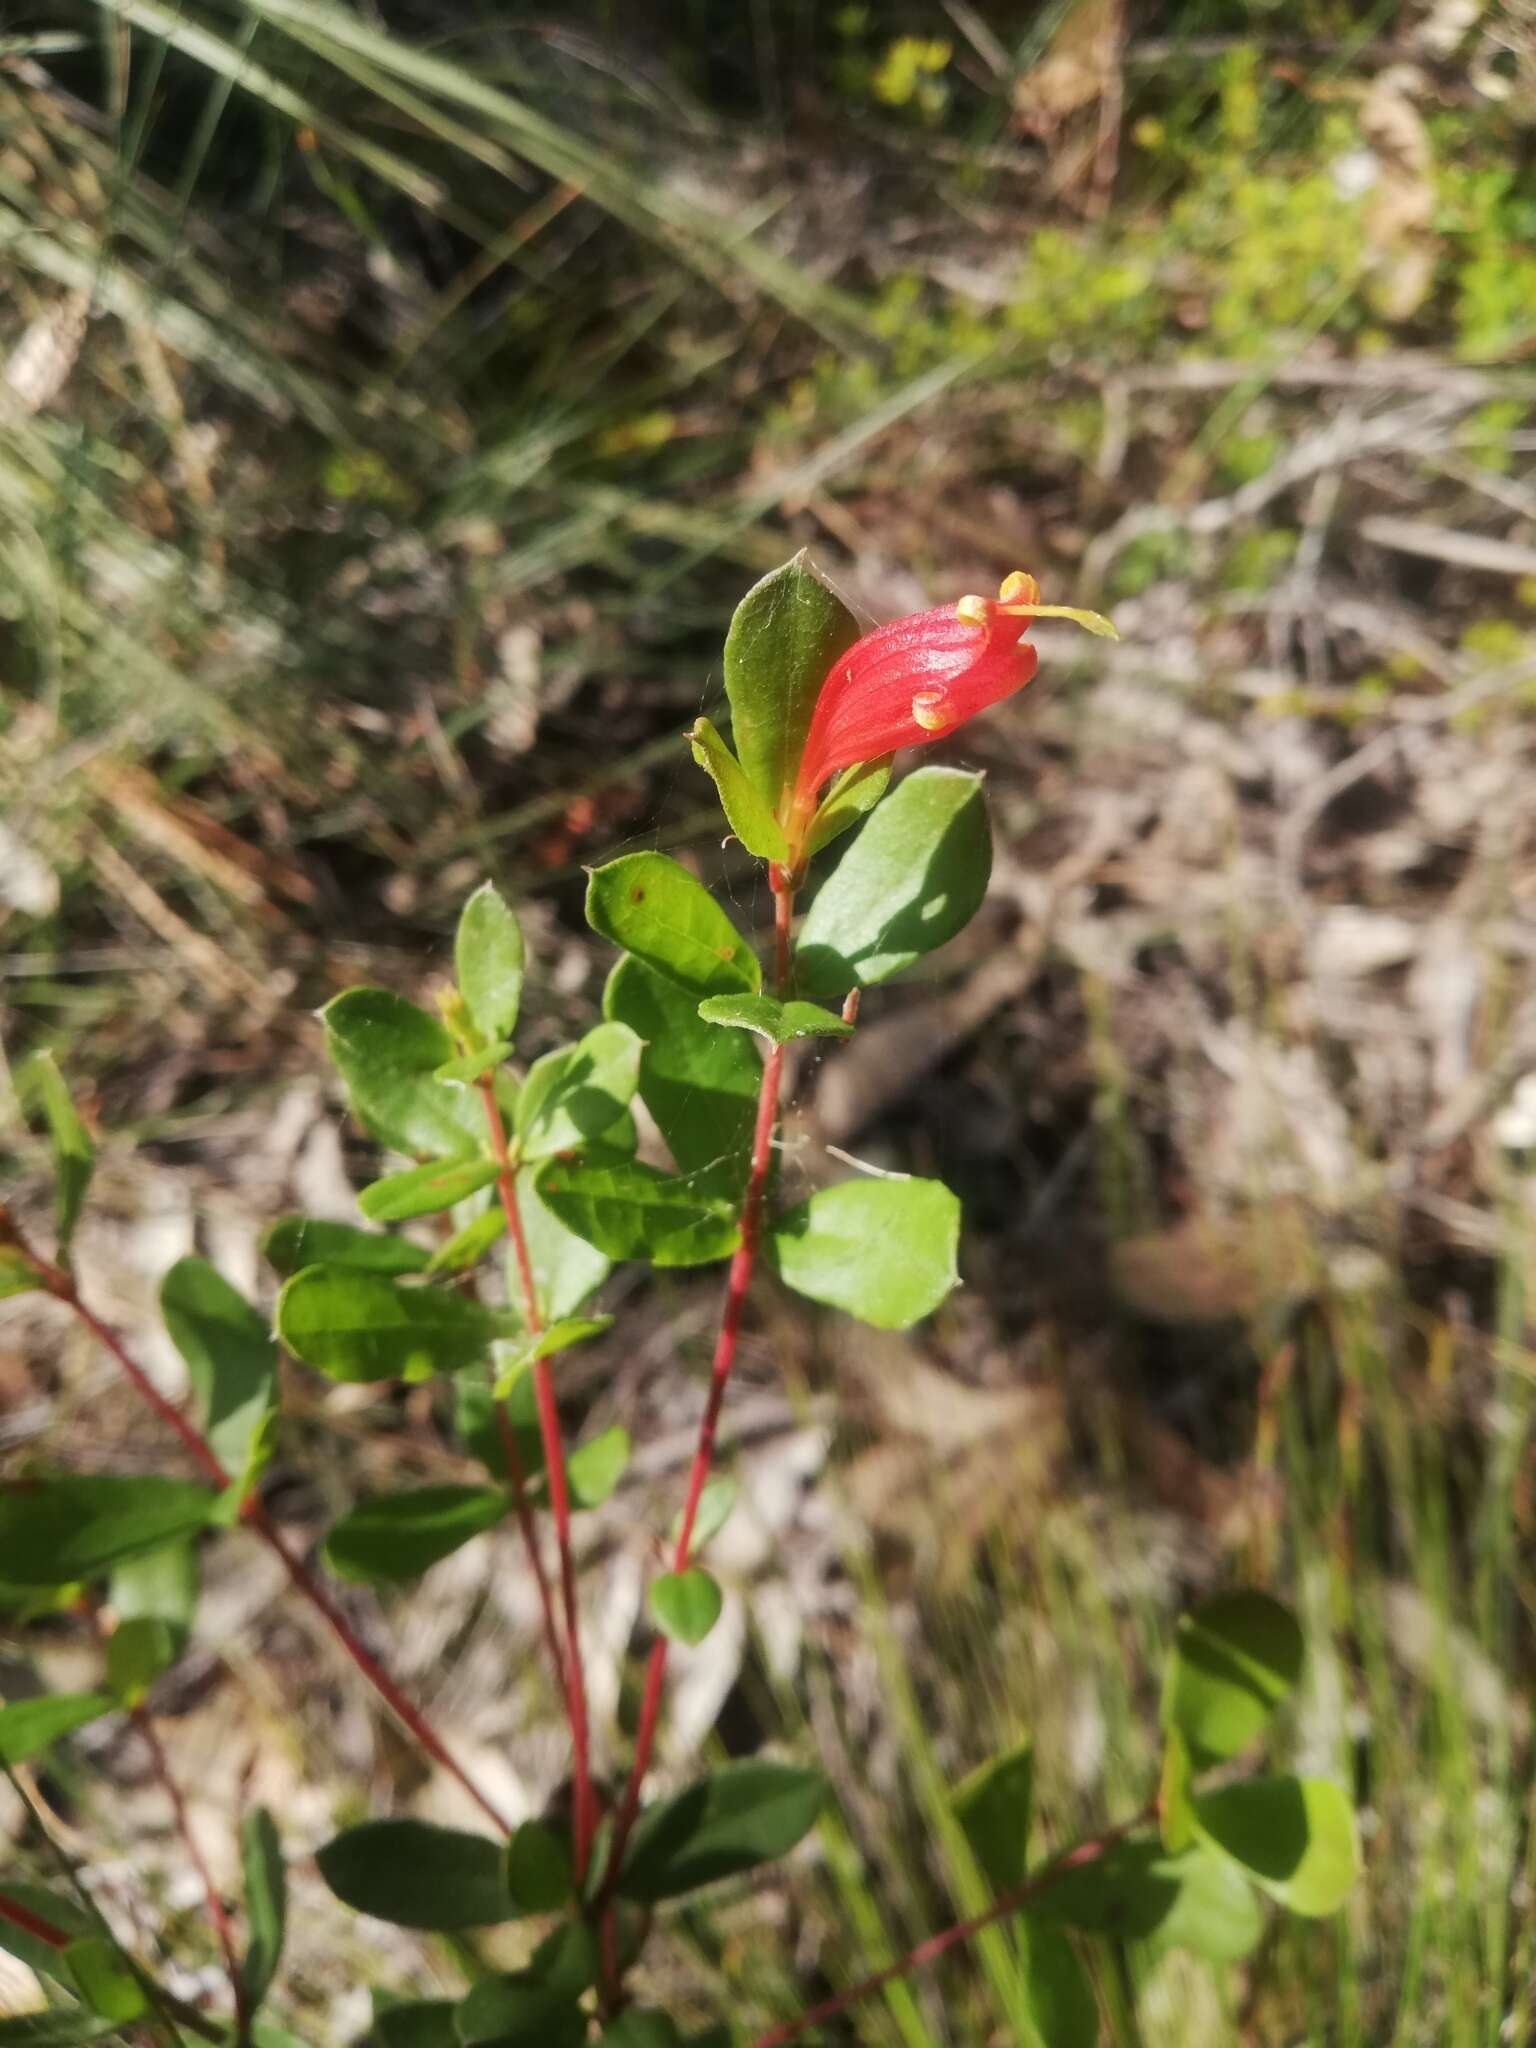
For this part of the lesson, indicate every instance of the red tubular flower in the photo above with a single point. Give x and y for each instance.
(918, 678)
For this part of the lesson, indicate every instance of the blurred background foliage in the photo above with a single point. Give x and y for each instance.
(397, 398)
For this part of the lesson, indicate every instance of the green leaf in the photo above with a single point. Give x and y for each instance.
(652, 907)
(17, 1273)
(471, 1066)
(632, 1211)
(786, 633)
(416, 2023)
(1175, 1815)
(105, 1978)
(1058, 1988)
(137, 1652)
(160, 1587)
(571, 1097)
(539, 1873)
(567, 1961)
(595, 1469)
(714, 1511)
(387, 1052)
(566, 1268)
(740, 1816)
(749, 817)
(462, 1252)
(418, 1875)
(63, 1914)
(74, 1156)
(700, 1084)
(397, 1536)
(550, 1342)
(883, 1250)
(54, 1531)
(266, 1904)
(519, 2011)
(993, 1806)
(777, 1022)
(1234, 1660)
(1294, 1836)
(231, 1362)
(641, 2028)
(353, 1325)
(915, 875)
(488, 961)
(685, 1605)
(849, 795)
(1137, 1892)
(61, 2027)
(28, 1727)
(295, 1242)
(424, 1190)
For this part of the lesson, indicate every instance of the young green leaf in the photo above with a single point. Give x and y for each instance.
(231, 1362)
(652, 907)
(397, 1536)
(883, 1250)
(594, 1469)
(1294, 1836)
(550, 1342)
(519, 2011)
(415, 1874)
(632, 1211)
(993, 1806)
(740, 1816)
(685, 1605)
(749, 817)
(488, 961)
(462, 1252)
(266, 1904)
(74, 1156)
(539, 1873)
(699, 1084)
(353, 1325)
(294, 1242)
(470, 1066)
(714, 1511)
(769, 1018)
(424, 1190)
(387, 1052)
(137, 1653)
(17, 1273)
(1135, 1891)
(160, 1587)
(54, 1531)
(572, 1097)
(916, 874)
(28, 1727)
(785, 635)
(849, 795)
(566, 1268)
(105, 1978)
(1234, 1660)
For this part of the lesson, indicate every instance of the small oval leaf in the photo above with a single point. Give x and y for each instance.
(488, 961)
(686, 1605)
(414, 1874)
(740, 1816)
(652, 907)
(354, 1325)
(883, 1250)
(397, 1536)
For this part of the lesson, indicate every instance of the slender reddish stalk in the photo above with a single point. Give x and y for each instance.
(16, 1915)
(952, 1937)
(584, 1817)
(738, 1280)
(62, 1286)
(143, 1721)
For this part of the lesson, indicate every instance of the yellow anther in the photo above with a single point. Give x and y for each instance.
(931, 709)
(1019, 589)
(972, 611)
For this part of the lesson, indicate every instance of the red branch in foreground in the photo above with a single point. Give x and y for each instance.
(15, 1914)
(61, 1286)
(216, 1913)
(584, 1820)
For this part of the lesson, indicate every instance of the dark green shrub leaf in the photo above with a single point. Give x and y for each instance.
(61, 2027)
(266, 1904)
(785, 635)
(425, 1190)
(467, 1247)
(295, 1242)
(769, 1018)
(539, 1873)
(1059, 1989)
(641, 2028)
(1294, 1836)
(519, 2011)
(849, 795)
(104, 1978)
(137, 1652)
(631, 1211)
(740, 1816)
(700, 1084)
(883, 1250)
(994, 1805)
(397, 1536)
(748, 816)
(595, 1469)
(353, 1325)
(714, 1511)
(54, 1531)
(74, 1156)
(474, 1418)
(916, 874)
(1137, 1892)
(416, 2023)
(488, 961)
(566, 1962)
(28, 1727)
(573, 1096)
(387, 1052)
(417, 1875)
(231, 1362)
(685, 1605)
(652, 907)
(1234, 1660)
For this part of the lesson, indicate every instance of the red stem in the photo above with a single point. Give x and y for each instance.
(738, 1280)
(28, 1922)
(216, 1913)
(952, 1937)
(584, 1817)
(61, 1285)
